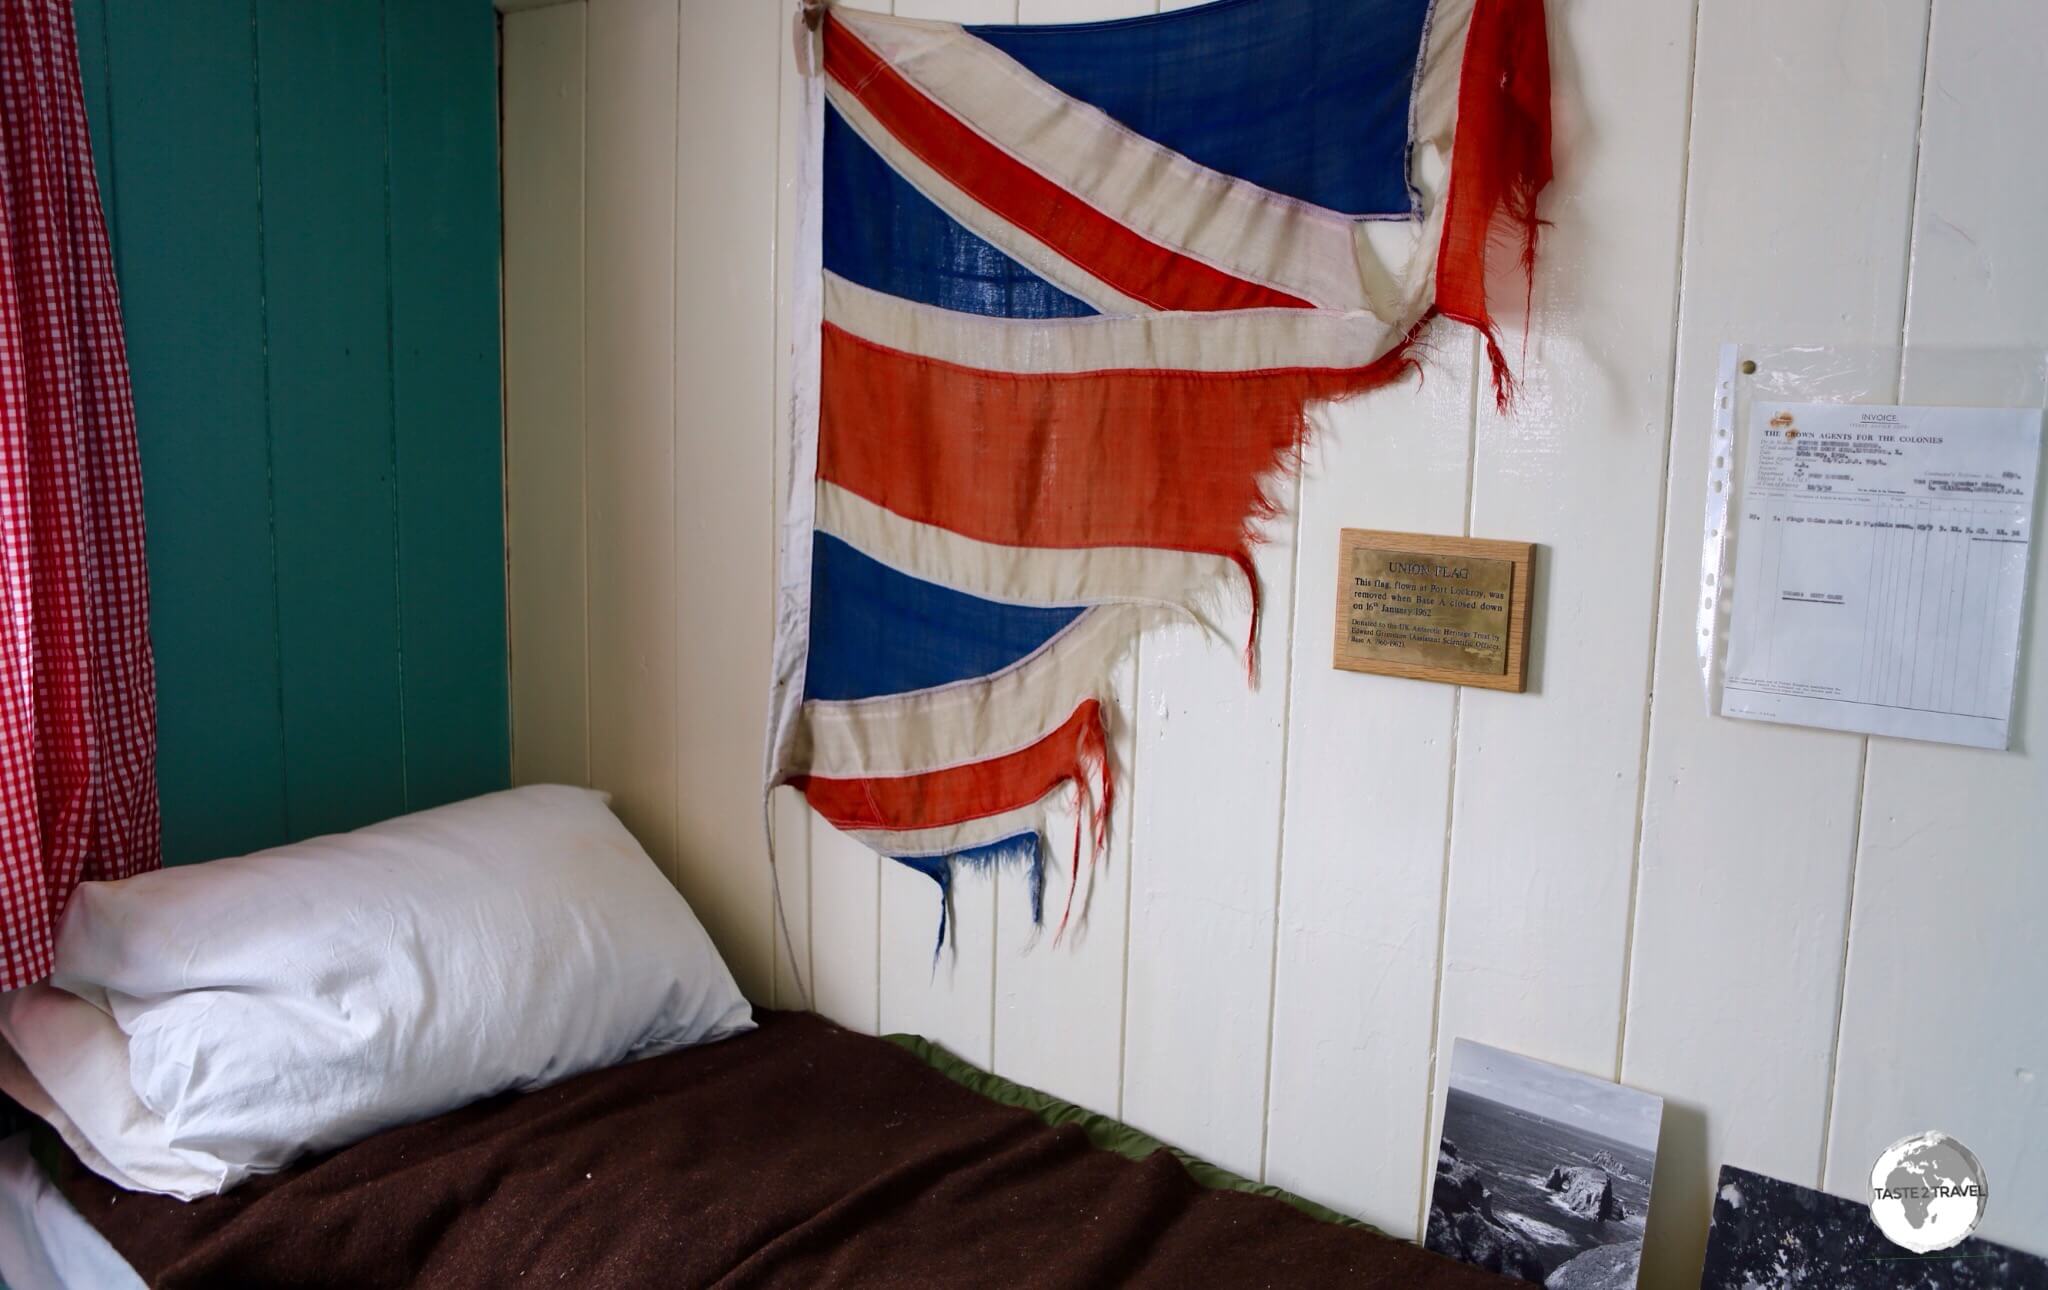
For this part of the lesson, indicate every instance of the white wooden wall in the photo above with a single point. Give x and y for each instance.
(1809, 943)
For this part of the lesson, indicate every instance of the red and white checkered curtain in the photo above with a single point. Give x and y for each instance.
(77, 681)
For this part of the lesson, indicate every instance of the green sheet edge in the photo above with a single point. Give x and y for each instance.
(1106, 1133)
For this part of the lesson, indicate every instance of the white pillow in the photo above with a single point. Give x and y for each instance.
(212, 1021)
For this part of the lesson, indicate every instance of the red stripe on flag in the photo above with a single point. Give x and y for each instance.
(1134, 265)
(1165, 459)
(1500, 161)
(958, 794)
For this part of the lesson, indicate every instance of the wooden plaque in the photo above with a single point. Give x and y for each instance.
(1434, 608)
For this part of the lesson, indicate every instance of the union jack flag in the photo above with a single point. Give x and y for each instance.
(1073, 289)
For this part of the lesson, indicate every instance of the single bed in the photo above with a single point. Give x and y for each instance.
(800, 1154)
(489, 1044)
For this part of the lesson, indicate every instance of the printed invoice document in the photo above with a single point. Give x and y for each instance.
(1881, 569)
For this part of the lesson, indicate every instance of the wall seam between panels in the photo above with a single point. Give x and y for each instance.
(810, 918)
(995, 936)
(675, 458)
(284, 784)
(1443, 927)
(1443, 903)
(1913, 201)
(1123, 993)
(391, 413)
(1658, 575)
(505, 417)
(877, 867)
(504, 411)
(1827, 1119)
(1827, 1122)
(776, 918)
(995, 930)
(1280, 840)
(583, 356)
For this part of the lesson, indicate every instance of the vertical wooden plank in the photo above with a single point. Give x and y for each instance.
(1207, 827)
(192, 294)
(1543, 825)
(321, 95)
(1059, 1004)
(724, 390)
(1059, 1007)
(1748, 828)
(629, 373)
(789, 929)
(544, 432)
(1949, 863)
(441, 67)
(954, 1002)
(845, 927)
(947, 998)
(1368, 786)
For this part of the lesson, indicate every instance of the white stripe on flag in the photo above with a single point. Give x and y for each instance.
(1237, 340)
(1186, 581)
(974, 720)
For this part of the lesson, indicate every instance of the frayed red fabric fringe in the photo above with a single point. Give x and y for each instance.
(1323, 386)
(1500, 162)
(1095, 807)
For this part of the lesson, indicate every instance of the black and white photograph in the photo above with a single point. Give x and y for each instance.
(1543, 1173)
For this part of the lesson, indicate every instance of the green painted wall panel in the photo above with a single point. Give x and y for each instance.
(320, 87)
(442, 70)
(189, 232)
(303, 199)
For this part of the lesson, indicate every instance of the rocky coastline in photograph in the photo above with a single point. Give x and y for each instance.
(1615, 1168)
(1462, 1224)
(1587, 1192)
(1604, 1267)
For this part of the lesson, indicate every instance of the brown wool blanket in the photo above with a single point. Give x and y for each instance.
(799, 1155)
